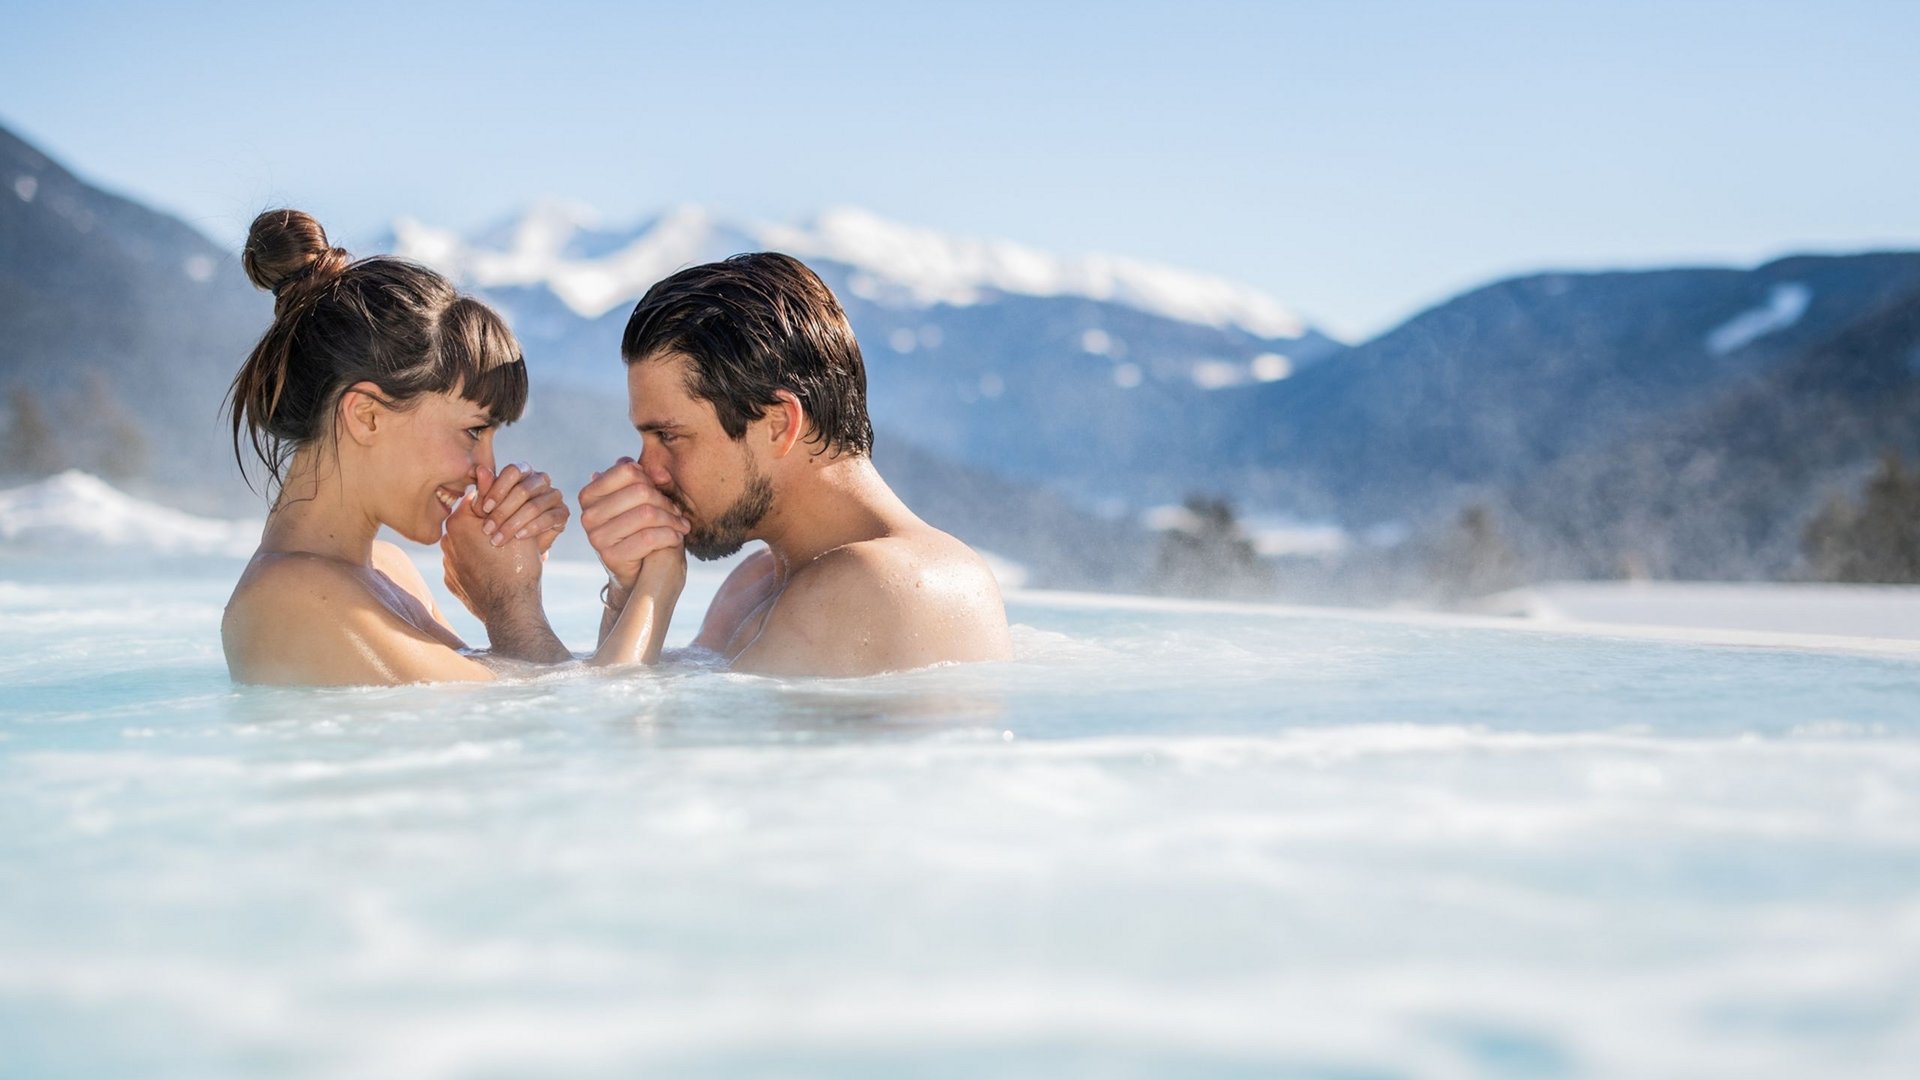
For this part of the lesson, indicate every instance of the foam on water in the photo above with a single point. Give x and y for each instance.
(1160, 842)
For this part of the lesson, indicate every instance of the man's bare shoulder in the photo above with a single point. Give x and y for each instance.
(900, 568)
(895, 602)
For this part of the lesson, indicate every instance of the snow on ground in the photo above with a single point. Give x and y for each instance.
(561, 247)
(78, 512)
(1872, 611)
(1784, 306)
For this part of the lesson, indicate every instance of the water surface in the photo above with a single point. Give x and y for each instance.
(1158, 843)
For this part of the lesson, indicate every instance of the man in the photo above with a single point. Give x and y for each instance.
(747, 388)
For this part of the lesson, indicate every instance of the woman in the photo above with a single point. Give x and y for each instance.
(373, 400)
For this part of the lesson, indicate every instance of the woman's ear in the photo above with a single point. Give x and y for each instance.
(363, 412)
(788, 422)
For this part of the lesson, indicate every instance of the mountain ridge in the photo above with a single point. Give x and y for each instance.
(126, 325)
(594, 269)
(1616, 418)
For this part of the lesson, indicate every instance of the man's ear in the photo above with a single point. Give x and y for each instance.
(363, 412)
(788, 422)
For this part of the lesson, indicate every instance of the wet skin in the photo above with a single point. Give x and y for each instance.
(323, 603)
(850, 582)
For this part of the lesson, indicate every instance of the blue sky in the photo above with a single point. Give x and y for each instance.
(1357, 160)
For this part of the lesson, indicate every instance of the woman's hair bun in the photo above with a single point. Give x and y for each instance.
(288, 247)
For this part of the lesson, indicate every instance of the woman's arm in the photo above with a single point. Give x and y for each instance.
(390, 560)
(634, 631)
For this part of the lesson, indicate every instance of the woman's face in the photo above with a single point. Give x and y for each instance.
(431, 454)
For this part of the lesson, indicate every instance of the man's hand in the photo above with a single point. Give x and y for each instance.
(490, 579)
(627, 520)
(500, 584)
(520, 504)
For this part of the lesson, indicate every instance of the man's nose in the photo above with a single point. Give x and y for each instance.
(653, 465)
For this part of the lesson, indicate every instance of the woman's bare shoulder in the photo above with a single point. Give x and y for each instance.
(284, 605)
(282, 593)
(310, 620)
(277, 577)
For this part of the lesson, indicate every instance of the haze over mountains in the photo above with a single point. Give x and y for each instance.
(1674, 422)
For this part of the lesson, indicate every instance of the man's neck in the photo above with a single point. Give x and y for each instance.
(829, 505)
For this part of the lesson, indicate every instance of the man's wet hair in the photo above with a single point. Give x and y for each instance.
(751, 326)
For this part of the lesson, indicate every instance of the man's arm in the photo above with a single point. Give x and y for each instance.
(745, 589)
(521, 632)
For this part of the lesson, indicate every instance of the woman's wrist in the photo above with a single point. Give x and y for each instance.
(613, 595)
(661, 579)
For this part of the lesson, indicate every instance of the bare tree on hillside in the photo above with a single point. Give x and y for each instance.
(119, 445)
(1209, 554)
(31, 449)
(1473, 560)
(1874, 540)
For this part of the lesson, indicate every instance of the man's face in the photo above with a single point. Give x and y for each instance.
(714, 479)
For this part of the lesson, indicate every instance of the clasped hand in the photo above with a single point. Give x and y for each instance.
(497, 537)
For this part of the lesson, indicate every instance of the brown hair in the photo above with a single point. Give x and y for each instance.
(753, 325)
(338, 322)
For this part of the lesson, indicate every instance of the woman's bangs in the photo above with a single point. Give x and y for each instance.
(485, 360)
(501, 390)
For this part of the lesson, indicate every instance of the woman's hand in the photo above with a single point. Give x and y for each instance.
(520, 504)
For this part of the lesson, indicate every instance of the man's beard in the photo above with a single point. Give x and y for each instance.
(728, 533)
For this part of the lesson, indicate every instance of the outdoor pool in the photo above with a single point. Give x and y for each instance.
(1166, 840)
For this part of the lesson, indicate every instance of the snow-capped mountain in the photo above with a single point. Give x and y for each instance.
(593, 269)
(1682, 421)
(1070, 371)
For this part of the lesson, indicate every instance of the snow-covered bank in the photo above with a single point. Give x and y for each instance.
(1503, 616)
(1876, 611)
(78, 513)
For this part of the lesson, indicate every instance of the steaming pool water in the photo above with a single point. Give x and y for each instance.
(1164, 841)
